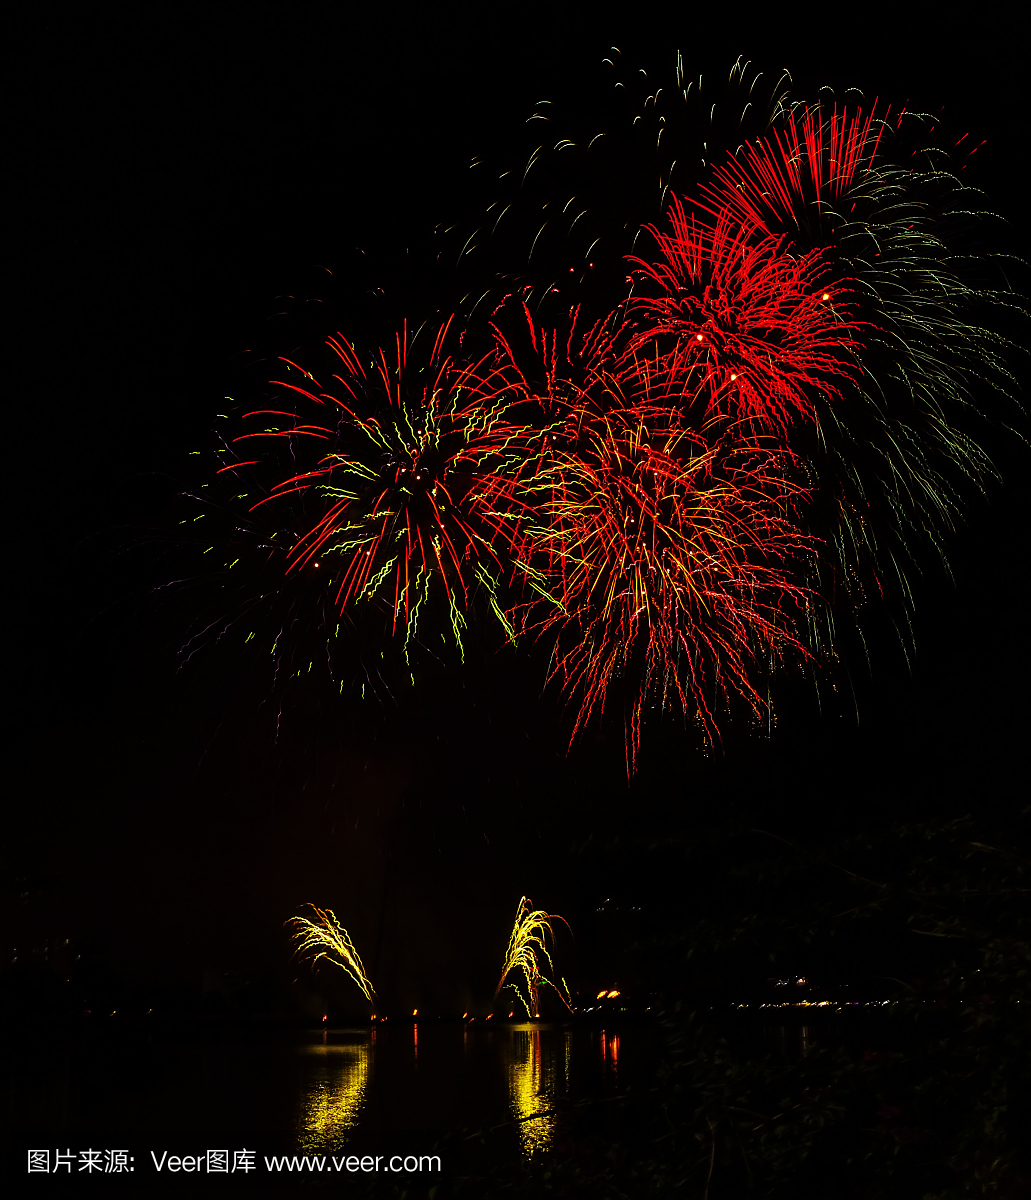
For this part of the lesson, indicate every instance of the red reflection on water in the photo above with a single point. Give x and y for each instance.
(610, 1050)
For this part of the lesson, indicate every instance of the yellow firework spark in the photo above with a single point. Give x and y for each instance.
(527, 948)
(326, 938)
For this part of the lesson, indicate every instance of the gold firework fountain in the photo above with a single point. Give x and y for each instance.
(326, 938)
(527, 950)
(532, 1067)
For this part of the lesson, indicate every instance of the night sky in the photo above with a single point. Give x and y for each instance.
(175, 176)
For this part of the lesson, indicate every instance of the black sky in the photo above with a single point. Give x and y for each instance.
(174, 175)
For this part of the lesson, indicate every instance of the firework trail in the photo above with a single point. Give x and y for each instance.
(401, 487)
(798, 174)
(663, 537)
(287, 625)
(560, 222)
(894, 457)
(885, 384)
(553, 373)
(527, 950)
(672, 548)
(679, 469)
(762, 331)
(326, 938)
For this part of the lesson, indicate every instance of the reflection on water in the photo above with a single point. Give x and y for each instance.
(792, 1041)
(334, 1091)
(334, 1094)
(538, 1069)
(610, 1053)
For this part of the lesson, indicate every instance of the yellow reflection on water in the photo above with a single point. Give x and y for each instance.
(537, 1068)
(335, 1092)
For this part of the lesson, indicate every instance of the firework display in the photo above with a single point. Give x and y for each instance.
(764, 332)
(699, 429)
(664, 530)
(326, 938)
(561, 220)
(406, 502)
(672, 565)
(527, 951)
(895, 449)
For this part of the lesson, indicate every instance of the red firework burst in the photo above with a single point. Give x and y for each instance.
(409, 491)
(553, 375)
(787, 181)
(759, 332)
(667, 548)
